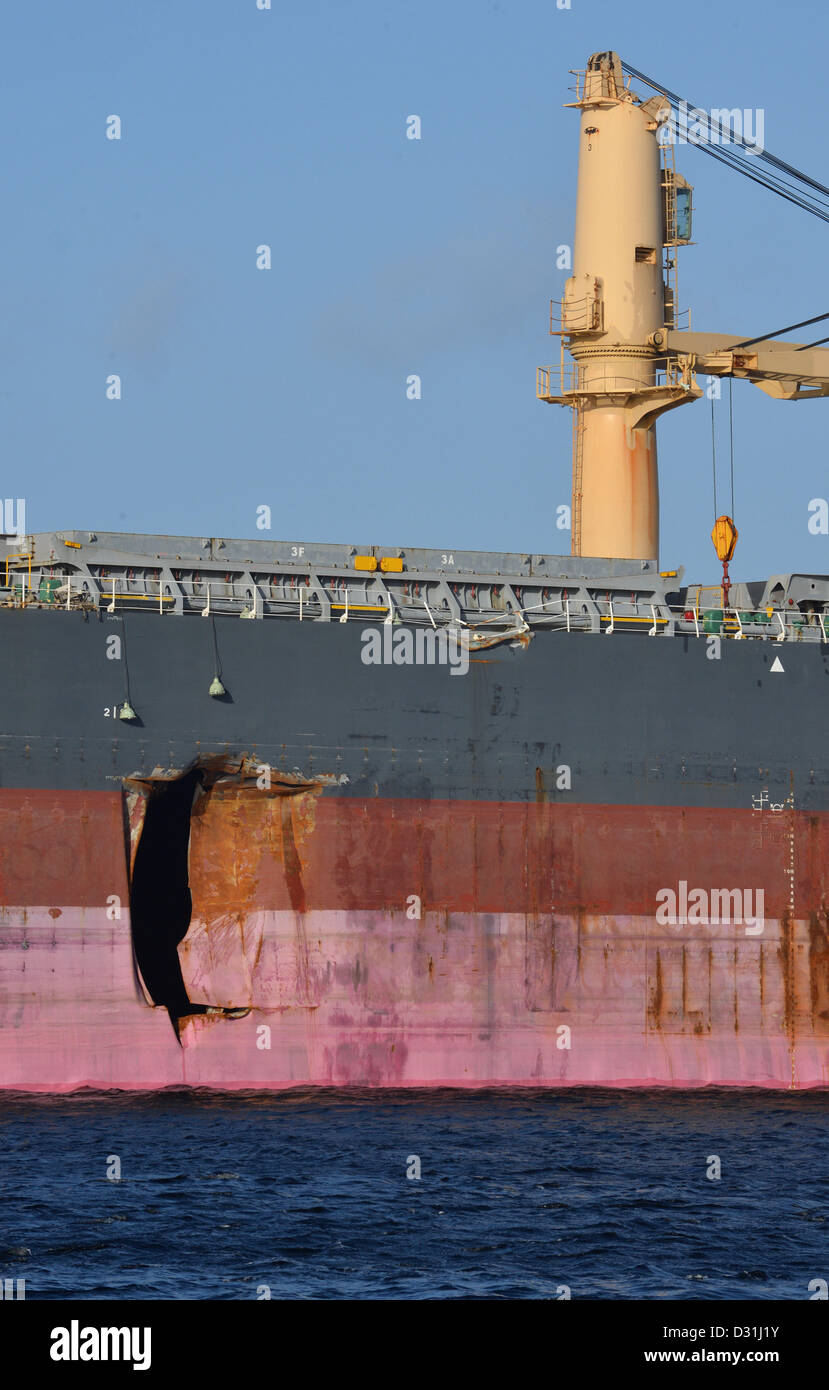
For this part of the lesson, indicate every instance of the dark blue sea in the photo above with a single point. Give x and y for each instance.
(520, 1195)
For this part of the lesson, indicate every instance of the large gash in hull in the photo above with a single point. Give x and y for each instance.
(413, 878)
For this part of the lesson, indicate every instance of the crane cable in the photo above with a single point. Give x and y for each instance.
(738, 139)
(731, 447)
(769, 171)
(731, 436)
(765, 180)
(714, 457)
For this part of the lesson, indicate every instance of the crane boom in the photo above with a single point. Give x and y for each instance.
(786, 371)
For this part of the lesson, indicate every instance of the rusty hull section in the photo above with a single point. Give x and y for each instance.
(484, 930)
(396, 942)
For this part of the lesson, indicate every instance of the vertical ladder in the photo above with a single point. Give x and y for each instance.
(669, 246)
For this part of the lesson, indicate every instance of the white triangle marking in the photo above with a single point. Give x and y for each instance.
(777, 664)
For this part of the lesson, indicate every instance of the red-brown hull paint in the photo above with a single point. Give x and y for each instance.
(536, 958)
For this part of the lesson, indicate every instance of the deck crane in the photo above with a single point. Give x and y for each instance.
(618, 317)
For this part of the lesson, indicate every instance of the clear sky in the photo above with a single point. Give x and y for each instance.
(287, 387)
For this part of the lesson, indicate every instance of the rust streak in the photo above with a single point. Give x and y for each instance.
(684, 983)
(290, 859)
(657, 995)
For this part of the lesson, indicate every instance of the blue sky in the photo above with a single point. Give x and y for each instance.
(390, 256)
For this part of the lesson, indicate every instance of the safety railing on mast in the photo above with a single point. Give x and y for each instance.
(565, 380)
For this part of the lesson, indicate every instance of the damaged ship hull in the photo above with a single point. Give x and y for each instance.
(400, 877)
